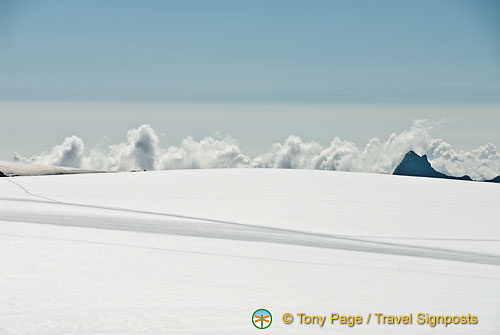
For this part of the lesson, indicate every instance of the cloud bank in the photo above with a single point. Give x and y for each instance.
(142, 150)
(70, 153)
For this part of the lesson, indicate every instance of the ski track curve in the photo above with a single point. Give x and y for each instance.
(268, 259)
(176, 224)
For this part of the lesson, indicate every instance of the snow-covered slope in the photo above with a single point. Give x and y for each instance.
(198, 251)
(10, 169)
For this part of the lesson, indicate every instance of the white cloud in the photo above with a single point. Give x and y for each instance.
(480, 163)
(292, 154)
(210, 152)
(69, 153)
(377, 156)
(141, 150)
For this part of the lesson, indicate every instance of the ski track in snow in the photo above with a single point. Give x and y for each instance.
(235, 256)
(176, 224)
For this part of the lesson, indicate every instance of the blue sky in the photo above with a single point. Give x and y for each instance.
(328, 51)
(406, 53)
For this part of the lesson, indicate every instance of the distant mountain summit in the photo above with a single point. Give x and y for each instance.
(494, 180)
(419, 166)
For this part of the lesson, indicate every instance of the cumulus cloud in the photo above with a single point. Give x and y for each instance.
(480, 163)
(139, 151)
(292, 154)
(142, 150)
(210, 152)
(377, 156)
(69, 153)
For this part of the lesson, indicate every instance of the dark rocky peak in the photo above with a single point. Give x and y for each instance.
(419, 166)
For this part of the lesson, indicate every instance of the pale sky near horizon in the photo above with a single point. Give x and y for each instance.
(257, 70)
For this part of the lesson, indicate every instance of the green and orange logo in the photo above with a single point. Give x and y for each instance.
(262, 319)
